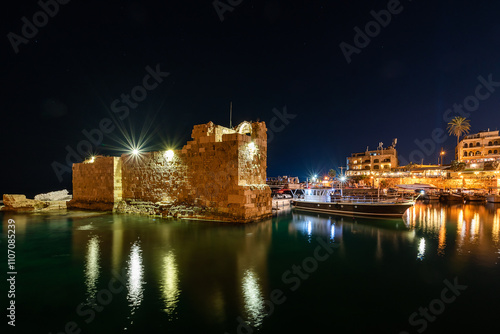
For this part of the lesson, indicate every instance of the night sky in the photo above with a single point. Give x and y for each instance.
(263, 56)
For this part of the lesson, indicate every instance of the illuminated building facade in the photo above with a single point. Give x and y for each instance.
(479, 148)
(368, 162)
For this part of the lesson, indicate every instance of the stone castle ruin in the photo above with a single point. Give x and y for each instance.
(220, 174)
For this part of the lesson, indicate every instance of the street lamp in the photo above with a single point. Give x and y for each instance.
(442, 156)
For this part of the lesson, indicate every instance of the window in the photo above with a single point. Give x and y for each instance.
(376, 161)
(478, 153)
(495, 152)
(478, 144)
(466, 146)
(367, 167)
(489, 152)
(465, 153)
(490, 144)
(376, 167)
(496, 142)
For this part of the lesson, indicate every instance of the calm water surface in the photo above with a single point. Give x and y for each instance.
(297, 273)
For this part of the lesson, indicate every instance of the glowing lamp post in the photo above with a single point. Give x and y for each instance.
(342, 180)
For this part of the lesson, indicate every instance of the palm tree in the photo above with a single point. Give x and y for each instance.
(458, 126)
(332, 173)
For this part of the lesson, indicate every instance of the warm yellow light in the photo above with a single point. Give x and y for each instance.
(92, 159)
(169, 155)
(135, 151)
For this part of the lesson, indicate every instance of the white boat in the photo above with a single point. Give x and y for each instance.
(325, 200)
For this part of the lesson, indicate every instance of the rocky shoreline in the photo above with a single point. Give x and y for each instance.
(56, 200)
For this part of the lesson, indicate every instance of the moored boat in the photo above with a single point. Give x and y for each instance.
(474, 195)
(428, 192)
(451, 197)
(321, 200)
(493, 195)
(493, 198)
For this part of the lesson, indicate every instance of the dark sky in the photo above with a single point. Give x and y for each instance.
(264, 55)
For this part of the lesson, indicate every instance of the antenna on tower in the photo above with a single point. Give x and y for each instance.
(231, 115)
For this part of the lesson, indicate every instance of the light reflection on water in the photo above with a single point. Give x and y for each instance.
(495, 231)
(170, 284)
(228, 271)
(92, 267)
(421, 249)
(477, 226)
(135, 272)
(254, 301)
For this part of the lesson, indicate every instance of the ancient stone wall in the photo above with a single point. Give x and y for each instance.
(222, 172)
(96, 183)
(152, 177)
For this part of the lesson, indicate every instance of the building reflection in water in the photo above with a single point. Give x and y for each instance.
(473, 224)
(496, 227)
(135, 271)
(170, 284)
(92, 267)
(254, 300)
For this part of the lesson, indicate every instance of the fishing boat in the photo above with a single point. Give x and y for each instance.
(325, 200)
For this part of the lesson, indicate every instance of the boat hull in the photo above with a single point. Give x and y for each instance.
(429, 197)
(451, 198)
(493, 198)
(355, 209)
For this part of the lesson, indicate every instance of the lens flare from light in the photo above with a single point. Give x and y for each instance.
(169, 155)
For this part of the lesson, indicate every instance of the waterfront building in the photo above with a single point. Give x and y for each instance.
(369, 162)
(480, 150)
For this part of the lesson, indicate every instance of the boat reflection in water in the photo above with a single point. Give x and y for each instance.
(458, 229)
(440, 229)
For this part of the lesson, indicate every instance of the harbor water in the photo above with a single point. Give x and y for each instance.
(436, 270)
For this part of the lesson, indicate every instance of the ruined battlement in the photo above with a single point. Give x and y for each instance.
(219, 174)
